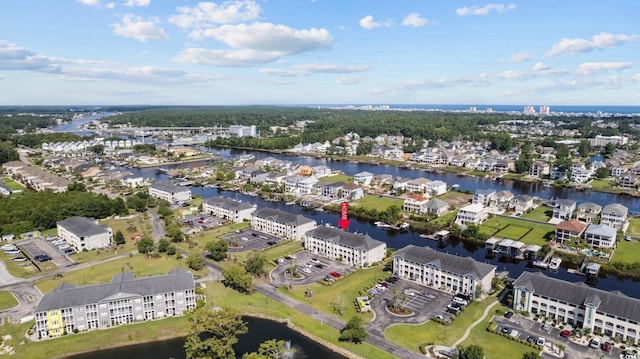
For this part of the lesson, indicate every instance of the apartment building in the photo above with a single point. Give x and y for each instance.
(84, 233)
(356, 249)
(170, 192)
(226, 208)
(281, 224)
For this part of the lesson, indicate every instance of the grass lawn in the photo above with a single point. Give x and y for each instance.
(271, 253)
(7, 300)
(380, 203)
(513, 231)
(23, 269)
(634, 227)
(346, 289)
(516, 228)
(411, 336)
(494, 345)
(140, 265)
(336, 178)
(446, 218)
(604, 186)
(626, 252)
(13, 185)
(542, 213)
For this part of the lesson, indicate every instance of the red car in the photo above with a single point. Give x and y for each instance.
(606, 346)
(335, 274)
(565, 334)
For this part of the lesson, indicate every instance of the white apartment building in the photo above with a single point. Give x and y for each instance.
(124, 300)
(443, 271)
(614, 215)
(170, 192)
(471, 214)
(232, 210)
(281, 224)
(84, 233)
(610, 313)
(604, 140)
(356, 249)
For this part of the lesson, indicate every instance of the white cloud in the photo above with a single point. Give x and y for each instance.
(519, 57)
(307, 69)
(142, 3)
(414, 20)
(207, 14)
(484, 10)
(89, 2)
(591, 68)
(269, 37)
(600, 41)
(135, 27)
(539, 66)
(349, 80)
(232, 58)
(13, 57)
(368, 23)
(110, 5)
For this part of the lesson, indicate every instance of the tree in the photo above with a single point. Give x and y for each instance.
(398, 300)
(76, 186)
(238, 279)
(338, 304)
(603, 172)
(217, 249)
(175, 233)
(119, 238)
(212, 334)
(163, 245)
(609, 149)
(145, 245)
(584, 148)
(195, 261)
(471, 352)
(530, 355)
(354, 331)
(255, 264)
(271, 349)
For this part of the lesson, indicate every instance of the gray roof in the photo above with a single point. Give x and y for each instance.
(168, 187)
(590, 206)
(67, 295)
(82, 226)
(614, 303)
(485, 192)
(436, 203)
(601, 230)
(522, 198)
(228, 203)
(347, 239)
(279, 216)
(616, 209)
(445, 261)
(565, 202)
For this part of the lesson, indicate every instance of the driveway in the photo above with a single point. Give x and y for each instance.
(312, 266)
(157, 226)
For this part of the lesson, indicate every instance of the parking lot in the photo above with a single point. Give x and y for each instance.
(248, 239)
(38, 246)
(313, 268)
(202, 221)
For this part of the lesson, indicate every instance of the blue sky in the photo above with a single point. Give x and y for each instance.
(181, 52)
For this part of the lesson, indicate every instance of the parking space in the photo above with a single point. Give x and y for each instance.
(202, 221)
(248, 239)
(36, 247)
(312, 267)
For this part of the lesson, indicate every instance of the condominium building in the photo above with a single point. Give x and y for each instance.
(443, 271)
(84, 233)
(68, 308)
(169, 192)
(610, 313)
(356, 249)
(604, 140)
(232, 210)
(282, 224)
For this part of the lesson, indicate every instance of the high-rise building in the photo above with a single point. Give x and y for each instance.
(529, 110)
(544, 110)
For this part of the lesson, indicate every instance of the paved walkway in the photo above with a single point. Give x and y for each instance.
(468, 331)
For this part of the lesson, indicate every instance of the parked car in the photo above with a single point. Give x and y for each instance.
(541, 341)
(606, 346)
(271, 243)
(306, 270)
(505, 330)
(508, 314)
(409, 292)
(439, 316)
(335, 274)
(565, 333)
(319, 266)
(460, 301)
(244, 238)
(308, 265)
(42, 257)
(328, 278)
(546, 327)
(531, 339)
(595, 343)
(315, 260)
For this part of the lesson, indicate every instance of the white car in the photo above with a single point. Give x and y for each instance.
(595, 343)
(541, 341)
(306, 270)
(244, 238)
(409, 292)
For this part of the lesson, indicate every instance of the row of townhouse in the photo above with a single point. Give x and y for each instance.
(81, 146)
(35, 177)
(614, 215)
(596, 235)
(311, 147)
(443, 271)
(583, 307)
(68, 308)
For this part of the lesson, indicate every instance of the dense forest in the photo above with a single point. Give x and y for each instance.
(41, 210)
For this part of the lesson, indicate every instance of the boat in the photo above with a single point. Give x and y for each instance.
(555, 263)
(404, 225)
(291, 203)
(540, 264)
(380, 224)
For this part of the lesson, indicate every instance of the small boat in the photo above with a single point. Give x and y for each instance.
(555, 263)
(291, 203)
(404, 225)
(380, 224)
(540, 264)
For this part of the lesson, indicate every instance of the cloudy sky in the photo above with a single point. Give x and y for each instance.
(173, 52)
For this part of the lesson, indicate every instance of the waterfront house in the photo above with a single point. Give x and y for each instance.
(569, 230)
(363, 178)
(471, 214)
(416, 203)
(229, 209)
(615, 215)
(484, 196)
(443, 271)
(435, 188)
(583, 307)
(563, 209)
(84, 233)
(352, 191)
(628, 181)
(600, 236)
(417, 185)
(436, 207)
(587, 212)
(539, 169)
(333, 190)
(520, 204)
(170, 192)
(68, 308)
(359, 250)
(281, 224)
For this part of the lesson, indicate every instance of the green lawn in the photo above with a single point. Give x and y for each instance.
(140, 265)
(411, 336)
(271, 253)
(13, 185)
(446, 218)
(542, 213)
(495, 346)
(634, 227)
(7, 300)
(347, 289)
(337, 178)
(380, 203)
(539, 234)
(626, 252)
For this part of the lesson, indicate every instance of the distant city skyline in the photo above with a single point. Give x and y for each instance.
(277, 52)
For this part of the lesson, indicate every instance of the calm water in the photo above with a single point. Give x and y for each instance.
(260, 330)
